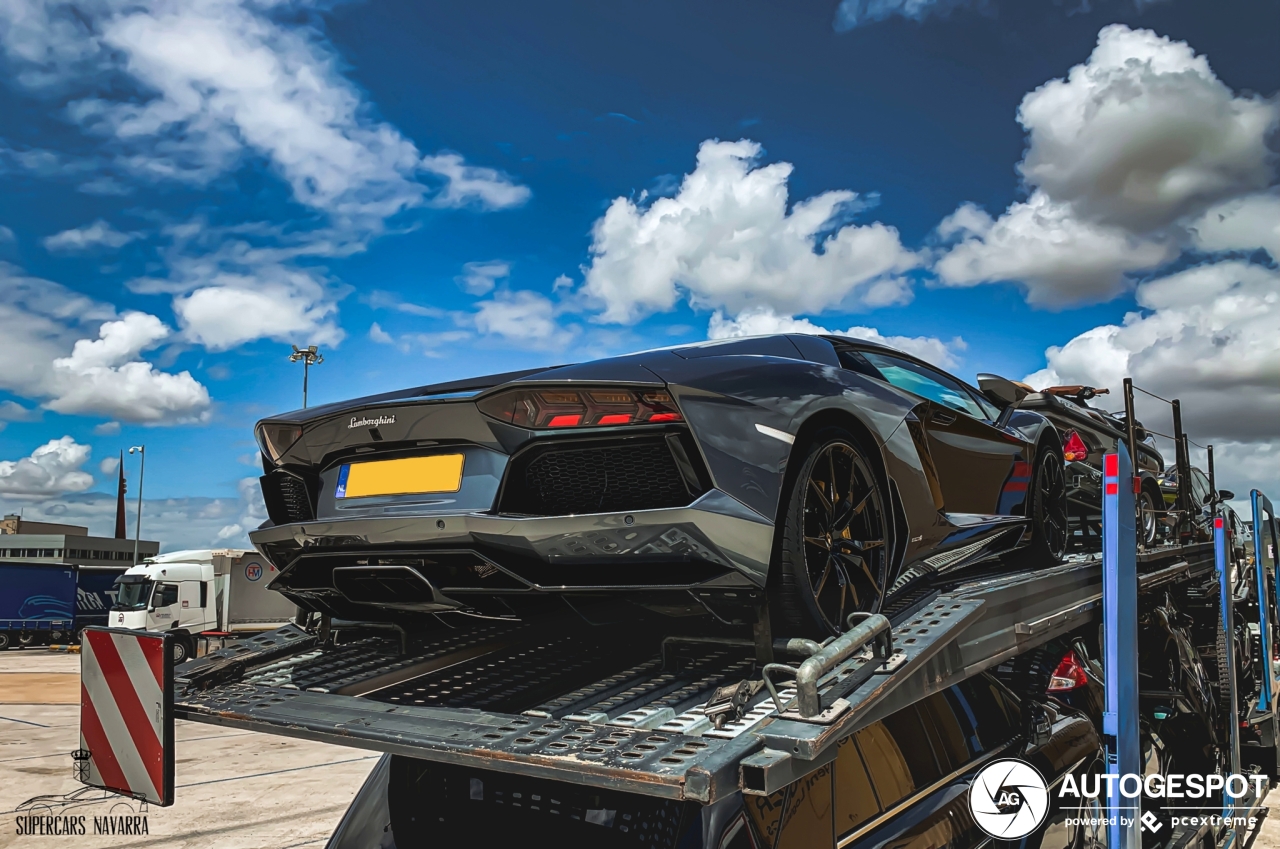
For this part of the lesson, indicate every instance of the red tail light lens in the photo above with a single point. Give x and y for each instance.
(587, 407)
(1069, 675)
(1074, 448)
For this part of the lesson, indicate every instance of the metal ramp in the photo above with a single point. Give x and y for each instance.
(603, 709)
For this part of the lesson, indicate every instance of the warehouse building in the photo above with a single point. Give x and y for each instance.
(48, 542)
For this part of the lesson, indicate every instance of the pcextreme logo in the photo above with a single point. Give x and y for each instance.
(1009, 799)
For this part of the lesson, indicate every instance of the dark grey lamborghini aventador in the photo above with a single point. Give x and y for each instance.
(817, 475)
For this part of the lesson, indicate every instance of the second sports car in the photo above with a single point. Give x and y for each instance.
(810, 476)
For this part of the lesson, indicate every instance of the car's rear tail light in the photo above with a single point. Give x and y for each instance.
(275, 439)
(1069, 675)
(1074, 448)
(587, 407)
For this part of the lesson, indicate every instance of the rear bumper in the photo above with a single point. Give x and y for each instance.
(715, 529)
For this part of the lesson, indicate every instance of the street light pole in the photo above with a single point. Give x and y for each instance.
(142, 468)
(310, 356)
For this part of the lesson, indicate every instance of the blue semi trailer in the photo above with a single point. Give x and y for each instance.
(43, 603)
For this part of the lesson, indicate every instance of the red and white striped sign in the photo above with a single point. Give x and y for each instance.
(126, 712)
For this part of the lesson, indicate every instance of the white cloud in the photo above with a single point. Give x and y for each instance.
(6, 235)
(107, 428)
(524, 318)
(194, 90)
(39, 321)
(855, 13)
(99, 234)
(104, 376)
(52, 469)
(472, 185)
(109, 465)
(1123, 154)
(12, 411)
(288, 306)
(377, 334)
(233, 285)
(480, 278)
(187, 89)
(763, 321)
(379, 299)
(727, 240)
(1206, 336)
(1143, 133)
(1055, 256)
(1241, 224)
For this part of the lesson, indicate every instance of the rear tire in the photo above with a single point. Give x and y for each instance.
(182, 649)
(1148, 512)
(833, 552)
(4, 640)
(1047, 508)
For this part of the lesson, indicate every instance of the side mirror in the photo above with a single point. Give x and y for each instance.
(1001, 390)
(1226, 495)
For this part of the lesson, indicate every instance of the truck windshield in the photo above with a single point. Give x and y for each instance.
(132, 592)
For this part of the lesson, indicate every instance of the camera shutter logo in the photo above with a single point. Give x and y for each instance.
(1008, 799)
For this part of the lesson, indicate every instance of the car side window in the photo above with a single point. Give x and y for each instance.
(926, 383)
(991, 411)
(854, 361)
(1199, 486)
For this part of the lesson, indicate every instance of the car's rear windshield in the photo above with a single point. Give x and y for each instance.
(449, 807)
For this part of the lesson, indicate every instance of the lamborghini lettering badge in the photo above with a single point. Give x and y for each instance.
(380, 420)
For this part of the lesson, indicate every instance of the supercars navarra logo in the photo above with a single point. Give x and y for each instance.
(380, 420)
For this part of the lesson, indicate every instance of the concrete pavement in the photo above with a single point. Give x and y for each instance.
(235, 789)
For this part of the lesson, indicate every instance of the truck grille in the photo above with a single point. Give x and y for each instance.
(600, 477)
(288, 498)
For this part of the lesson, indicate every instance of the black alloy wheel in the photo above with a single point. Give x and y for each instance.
(1047, 507)
(834, 550)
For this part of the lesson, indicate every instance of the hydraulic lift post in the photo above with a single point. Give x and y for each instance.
(1120, 641)
(1227, 676)
(1266, 542)
(1264, 551)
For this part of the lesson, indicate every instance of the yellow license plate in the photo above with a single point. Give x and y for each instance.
(408, 476)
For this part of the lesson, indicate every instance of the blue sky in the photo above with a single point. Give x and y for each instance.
(434, 192)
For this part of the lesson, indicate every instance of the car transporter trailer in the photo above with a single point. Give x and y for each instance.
(691, 720)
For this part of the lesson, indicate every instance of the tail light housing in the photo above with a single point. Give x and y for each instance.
(274, 438)
(1070, 674)
(1073, 448)
(581, 407)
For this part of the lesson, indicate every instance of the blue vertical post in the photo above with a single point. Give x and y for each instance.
(1120, 625)
(1266, 608)
(1227, 677)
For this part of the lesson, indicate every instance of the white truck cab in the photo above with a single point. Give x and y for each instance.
(190, 592)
